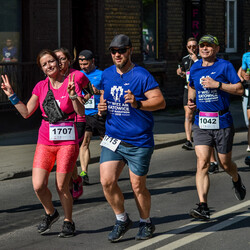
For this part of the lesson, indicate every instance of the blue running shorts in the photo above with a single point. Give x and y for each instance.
(137, 158)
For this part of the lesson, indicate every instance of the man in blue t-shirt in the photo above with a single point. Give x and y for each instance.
(9, 52)
(246, 61)
(212, 80)
(129, 94)
(95, 124)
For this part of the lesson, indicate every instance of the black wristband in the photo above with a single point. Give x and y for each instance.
(220, 84)
(138, 104)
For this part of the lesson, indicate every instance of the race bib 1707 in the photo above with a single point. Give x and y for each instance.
(62, 131)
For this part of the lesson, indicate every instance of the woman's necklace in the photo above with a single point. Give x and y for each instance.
(56, 84)
(66, 72)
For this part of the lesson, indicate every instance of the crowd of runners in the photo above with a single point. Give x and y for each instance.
(116, 104)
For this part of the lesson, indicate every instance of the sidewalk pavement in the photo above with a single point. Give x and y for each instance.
(17, 149)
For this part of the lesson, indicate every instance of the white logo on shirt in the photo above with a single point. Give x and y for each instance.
(213, 73)
(116, 92)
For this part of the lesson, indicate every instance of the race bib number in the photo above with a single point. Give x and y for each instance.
(209, 120)
(187, 76)
(62, 131)
(90, 104)
(110, 143)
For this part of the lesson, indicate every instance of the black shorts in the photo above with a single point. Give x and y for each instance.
(96, 125)
(185, 97)
(221, 139)
(80, 127)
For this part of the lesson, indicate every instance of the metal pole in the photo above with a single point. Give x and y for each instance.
(59, 22)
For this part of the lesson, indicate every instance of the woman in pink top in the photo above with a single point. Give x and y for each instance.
(56, 141)
(65, 61)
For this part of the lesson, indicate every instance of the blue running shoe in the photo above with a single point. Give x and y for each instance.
(119, 229)
(146, 231)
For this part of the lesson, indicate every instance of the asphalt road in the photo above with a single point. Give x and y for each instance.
(171, 182)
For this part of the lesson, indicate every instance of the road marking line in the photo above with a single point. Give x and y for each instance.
(196, 236)
(188, 226)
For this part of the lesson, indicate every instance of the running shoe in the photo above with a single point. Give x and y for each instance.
(145, 231)
(213, 168)
(77, 188)
(247, 160)
(68, 230)
(47, 222)
(188, 145)
(201, 212)
(239, 189)
(248, 148)
(85, 178)
(119, 229)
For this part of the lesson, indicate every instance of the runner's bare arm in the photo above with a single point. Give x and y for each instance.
(154, 101)
(191, 97)
(234, 89)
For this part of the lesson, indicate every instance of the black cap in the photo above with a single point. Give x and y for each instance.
(86, 54)
(120, 41)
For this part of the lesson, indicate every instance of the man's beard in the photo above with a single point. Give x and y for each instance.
(121, 65)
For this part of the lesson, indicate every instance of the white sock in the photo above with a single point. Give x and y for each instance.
(147, 220)
(122, 217)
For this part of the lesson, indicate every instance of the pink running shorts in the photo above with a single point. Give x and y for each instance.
(64, 155)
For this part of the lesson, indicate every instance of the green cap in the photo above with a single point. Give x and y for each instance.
(209, 39)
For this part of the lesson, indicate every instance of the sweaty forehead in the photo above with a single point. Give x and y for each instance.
(59, 53)
(192, 43)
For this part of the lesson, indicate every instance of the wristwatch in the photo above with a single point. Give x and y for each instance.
(220, 83)
(73, 97)
(138, 104)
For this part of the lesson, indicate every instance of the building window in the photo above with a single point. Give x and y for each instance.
(150, 29)
(231, 25)
(10, 27)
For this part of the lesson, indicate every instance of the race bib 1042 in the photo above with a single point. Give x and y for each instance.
(209, 120)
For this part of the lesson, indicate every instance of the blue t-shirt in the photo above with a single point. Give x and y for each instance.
(246, 61)
(95, 78)
(123, 122)
(213, 100)
(9, 54)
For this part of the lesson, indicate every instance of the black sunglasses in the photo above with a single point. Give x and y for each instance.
(192, 46)
(120, 51)
(202, 45)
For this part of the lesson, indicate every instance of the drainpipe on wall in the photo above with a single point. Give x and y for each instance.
(59, 23)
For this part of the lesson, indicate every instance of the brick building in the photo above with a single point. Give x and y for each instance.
(158, 30)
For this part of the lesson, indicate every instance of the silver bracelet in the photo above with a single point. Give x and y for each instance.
(73, 97)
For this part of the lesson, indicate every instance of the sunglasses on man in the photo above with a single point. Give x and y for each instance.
(202, 45)
(192, 46)
(119, 51)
